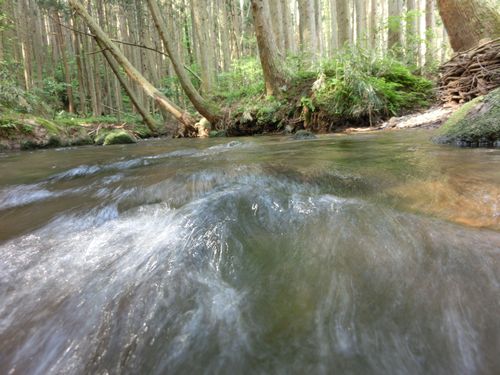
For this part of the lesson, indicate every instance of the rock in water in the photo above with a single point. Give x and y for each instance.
(476, 123)
(303, 134)
(119, 137)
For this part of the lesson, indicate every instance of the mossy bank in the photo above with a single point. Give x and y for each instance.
(26, 132)
(475, 124)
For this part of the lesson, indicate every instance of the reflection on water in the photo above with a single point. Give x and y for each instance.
(357, 254)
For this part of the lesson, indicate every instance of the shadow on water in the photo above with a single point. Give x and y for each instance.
(259, 256)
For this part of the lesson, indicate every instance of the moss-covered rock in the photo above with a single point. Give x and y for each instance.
(119, 137)
(475, 124)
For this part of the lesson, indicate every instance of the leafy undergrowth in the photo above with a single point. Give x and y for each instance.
(352, 89)
(23, 131)
(476, 123)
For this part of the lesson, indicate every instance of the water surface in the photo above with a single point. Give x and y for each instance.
(364, 254)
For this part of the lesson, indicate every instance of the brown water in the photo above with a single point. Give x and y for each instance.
(365, 254)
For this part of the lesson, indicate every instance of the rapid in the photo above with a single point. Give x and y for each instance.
(348, 254)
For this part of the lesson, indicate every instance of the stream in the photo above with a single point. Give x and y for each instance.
(348, 254)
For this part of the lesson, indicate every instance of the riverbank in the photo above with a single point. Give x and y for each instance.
(27, 132)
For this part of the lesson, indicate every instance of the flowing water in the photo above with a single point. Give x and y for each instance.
(364, 254)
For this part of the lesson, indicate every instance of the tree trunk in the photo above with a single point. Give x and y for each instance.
(343, 22)
(224, 34)
(180, 115)
(63, 53)
(361, 23)
(334, 40)
(287, 29)
(205, 108)
(275, 75)
(307, 27)
(277, 24)
(394, 34)
(373, 25)
(80, 70)
(411, 28)
(429, 31)
(469, 21)
(203, 36)
(318, 11)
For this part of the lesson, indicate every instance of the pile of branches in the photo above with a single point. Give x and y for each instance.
(471, 73)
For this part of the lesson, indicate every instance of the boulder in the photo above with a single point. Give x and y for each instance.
(118, 137)
(475, 124)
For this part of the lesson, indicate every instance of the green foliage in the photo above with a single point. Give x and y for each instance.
(360, 86)
(52, 92)
(11, 95)
(3, 18)
(9, 126)
(217, 133)
(267, 111)
(308, 103)
(14, 97)
(243, 81)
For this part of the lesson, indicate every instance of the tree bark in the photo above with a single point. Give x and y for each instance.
(205, 108)
(287, 30)
(343, 22)
(429, 31)
(307, 27)
(373, 25)
(361, 23)
(334, 40)
(180, 115)
(469, 21)
(411, 27)
(203, 37)
(275, 75)
(394, 34)
(277, 24)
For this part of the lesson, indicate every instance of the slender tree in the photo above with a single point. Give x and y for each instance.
(430, 23)
(373, 25)
(395, 13)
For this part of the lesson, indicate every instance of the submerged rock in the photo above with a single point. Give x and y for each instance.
(303, 134)
(475, 124)
(119, 137)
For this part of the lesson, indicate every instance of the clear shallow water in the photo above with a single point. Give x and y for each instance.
(372, 253)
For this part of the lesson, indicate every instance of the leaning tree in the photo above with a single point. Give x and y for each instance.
(469, 21)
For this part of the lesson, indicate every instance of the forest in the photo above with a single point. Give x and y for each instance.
(74, 69)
